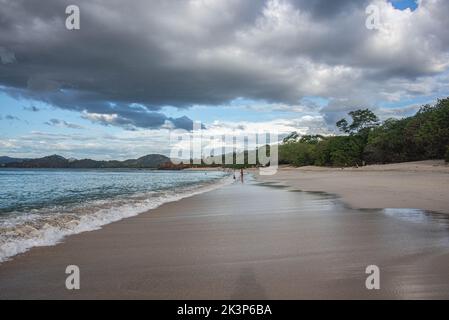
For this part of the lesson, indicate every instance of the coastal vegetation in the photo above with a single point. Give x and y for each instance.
(366, 140)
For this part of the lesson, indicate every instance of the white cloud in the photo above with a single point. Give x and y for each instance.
(212, 52)
(208, 53)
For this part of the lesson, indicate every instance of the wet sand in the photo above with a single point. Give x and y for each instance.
(421, 184)
(245, 241)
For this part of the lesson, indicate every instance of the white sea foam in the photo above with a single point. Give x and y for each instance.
(33, 230)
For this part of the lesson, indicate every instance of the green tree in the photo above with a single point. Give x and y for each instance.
(387, 143)
(311, 139)
(361, 120)
(345, 151)
(431, 134)
(297, 153)
(291, 137)
(422, 136)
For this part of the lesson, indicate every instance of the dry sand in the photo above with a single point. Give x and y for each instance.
(245, 241)
(423, 184)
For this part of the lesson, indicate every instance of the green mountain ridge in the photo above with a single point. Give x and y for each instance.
(152, 161)
(4, 160)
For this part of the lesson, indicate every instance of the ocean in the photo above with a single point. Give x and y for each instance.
(41, 207)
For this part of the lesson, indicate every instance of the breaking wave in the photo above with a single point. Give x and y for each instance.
(20, 231)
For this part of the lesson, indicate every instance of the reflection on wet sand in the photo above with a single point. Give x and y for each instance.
(246, 241)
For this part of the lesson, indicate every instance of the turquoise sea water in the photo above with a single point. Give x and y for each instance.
(40, 207)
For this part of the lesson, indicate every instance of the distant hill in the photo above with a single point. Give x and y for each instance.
(149, 161)
(4, 160)
(152, 161)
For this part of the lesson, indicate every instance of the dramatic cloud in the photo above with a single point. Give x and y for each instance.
(130, 60)
(134, 144)
(6, 56)
(32, 109)
(131, 118)
(63, 123)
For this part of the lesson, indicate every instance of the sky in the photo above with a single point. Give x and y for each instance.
(132, 74)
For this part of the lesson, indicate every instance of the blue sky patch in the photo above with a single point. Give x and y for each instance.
(405, 4)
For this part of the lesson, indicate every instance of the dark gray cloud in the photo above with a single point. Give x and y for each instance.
(63, 123)
(6, 56)
(118, 55)
(325, 9)
(32, 109)
(132, 117)
(153, 54)
(338, 109)
(12, 118)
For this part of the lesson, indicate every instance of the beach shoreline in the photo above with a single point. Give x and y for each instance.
(251, 240)
(421, 185)
(52, 223)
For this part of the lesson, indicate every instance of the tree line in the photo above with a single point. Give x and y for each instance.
(366, 140)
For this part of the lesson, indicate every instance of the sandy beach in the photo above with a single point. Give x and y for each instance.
(251, 241)
(421, 184)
